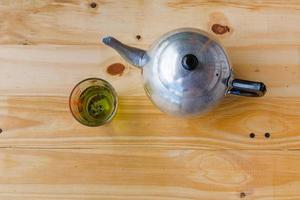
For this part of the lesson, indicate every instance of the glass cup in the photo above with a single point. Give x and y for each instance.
(93, 102)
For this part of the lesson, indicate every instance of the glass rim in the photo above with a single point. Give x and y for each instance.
(114, 94)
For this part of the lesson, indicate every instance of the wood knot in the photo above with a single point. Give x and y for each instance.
(115, 69)
(242, 195)
(93, 5)
(220, 29)
(138, 37)
(267, 135)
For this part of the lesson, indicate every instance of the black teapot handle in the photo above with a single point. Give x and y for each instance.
(247, 88)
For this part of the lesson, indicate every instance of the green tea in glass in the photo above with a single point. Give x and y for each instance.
(93, 102)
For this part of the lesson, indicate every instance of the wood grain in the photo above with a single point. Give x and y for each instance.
(75, 22)
(47, 46)
(35, 86)
(143, 173)
(54, 70)
(46, 122)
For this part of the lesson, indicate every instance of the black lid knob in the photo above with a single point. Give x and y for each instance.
(189, 62)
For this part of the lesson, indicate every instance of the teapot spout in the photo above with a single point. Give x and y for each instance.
(134, 56)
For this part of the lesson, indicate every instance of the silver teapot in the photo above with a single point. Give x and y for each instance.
(186, 72)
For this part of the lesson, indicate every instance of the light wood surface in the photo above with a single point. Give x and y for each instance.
(47, 46)
(118, 172)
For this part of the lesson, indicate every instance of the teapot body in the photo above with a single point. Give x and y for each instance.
(182, 92)
(186, 72)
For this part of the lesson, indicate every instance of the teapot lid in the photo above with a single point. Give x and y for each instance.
(189, 63)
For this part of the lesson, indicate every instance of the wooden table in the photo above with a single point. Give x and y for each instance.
(47, 46)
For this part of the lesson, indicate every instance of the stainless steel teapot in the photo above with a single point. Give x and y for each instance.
(186, 72)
